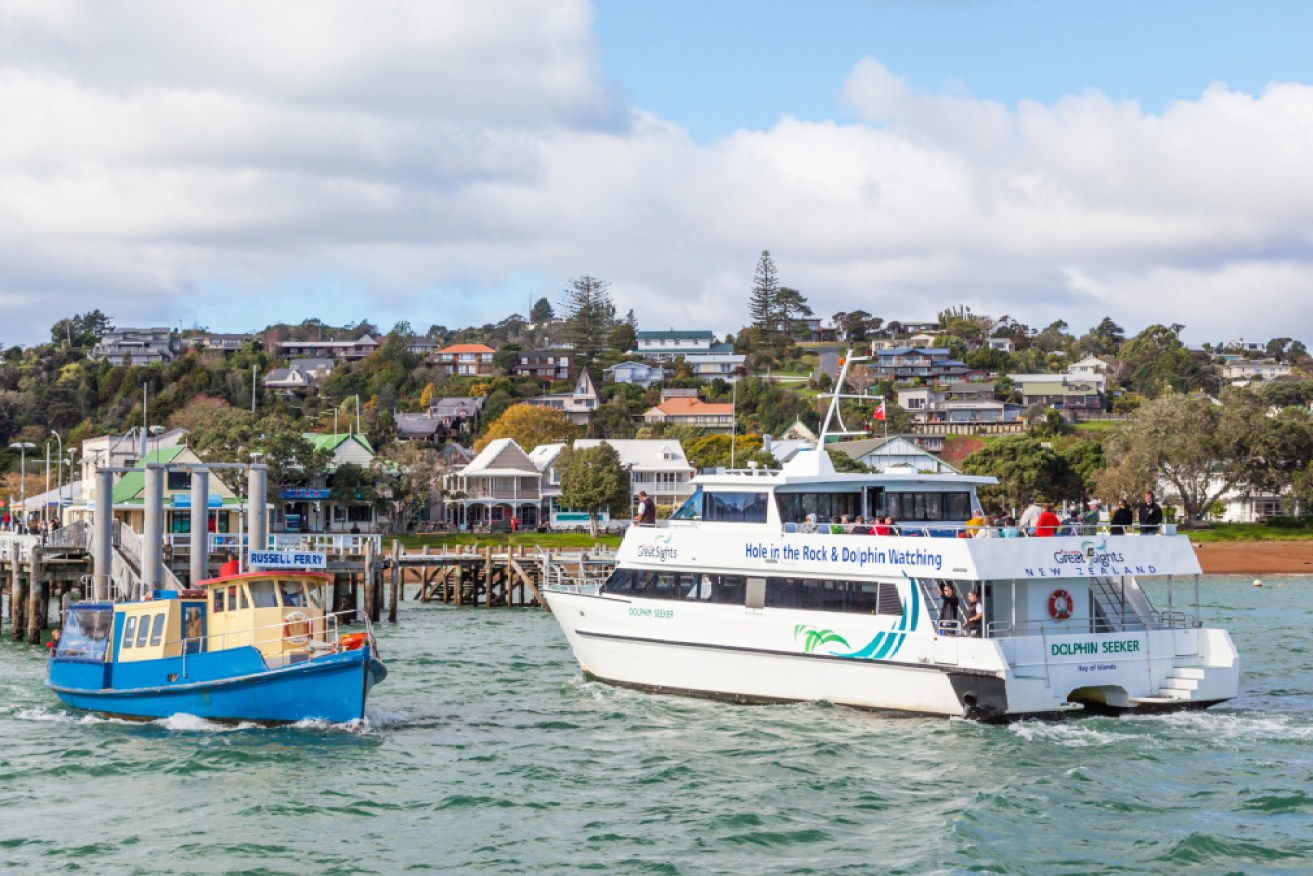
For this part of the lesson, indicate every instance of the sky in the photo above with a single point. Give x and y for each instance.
(231, 165)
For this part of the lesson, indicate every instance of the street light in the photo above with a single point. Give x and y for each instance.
(22, 447)
(45, 505)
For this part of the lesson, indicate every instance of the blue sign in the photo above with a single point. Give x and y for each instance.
(303, 493)
(289, 559)
(183, 500)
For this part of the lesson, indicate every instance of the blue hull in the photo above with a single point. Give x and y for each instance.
(223, 686)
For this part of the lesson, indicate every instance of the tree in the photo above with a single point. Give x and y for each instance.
(1155, 361)
(411, 473)
(541, 312)
(1202, 449)
(82, 330)
(529, 426)
(790, 306)
(1026, 469)
(589, 315)
(1108, 332)
(593, 480)
(763, 305)
(623, 338)
(353, 484)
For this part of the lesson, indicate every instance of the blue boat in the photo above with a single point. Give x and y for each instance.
(260, 647)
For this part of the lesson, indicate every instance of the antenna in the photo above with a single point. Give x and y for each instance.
(834, 415)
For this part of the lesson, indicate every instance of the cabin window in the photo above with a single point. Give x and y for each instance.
(129, 630)
(928, 506)
(86, 634)
(232, 598)
(735, 507)
(241, 596)
(263, 594)
(314, 596)
(157, 631)
(794, 507)
(143, 631)
(691, 509)
(218, 599)
(293, 595)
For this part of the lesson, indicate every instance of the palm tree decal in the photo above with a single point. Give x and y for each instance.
(814, 638)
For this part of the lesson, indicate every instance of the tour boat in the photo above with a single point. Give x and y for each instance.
(732, 599)
(260, 646)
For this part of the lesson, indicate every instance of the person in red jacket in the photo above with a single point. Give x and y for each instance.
(1048, 522)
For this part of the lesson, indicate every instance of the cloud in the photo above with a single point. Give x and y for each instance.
(235, 164)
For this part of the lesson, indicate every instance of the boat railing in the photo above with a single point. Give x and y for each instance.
(954, 530)
(1174, 620)
(325, 640)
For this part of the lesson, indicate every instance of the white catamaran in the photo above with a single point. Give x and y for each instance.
(733, 598)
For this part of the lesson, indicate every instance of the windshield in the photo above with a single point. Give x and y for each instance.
(691, 509)
(85, 635)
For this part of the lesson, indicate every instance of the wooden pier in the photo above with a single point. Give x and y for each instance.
(34, 574)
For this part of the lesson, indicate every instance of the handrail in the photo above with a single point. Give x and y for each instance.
(331, 635)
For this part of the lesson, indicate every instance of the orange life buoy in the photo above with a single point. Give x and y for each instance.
(1060, 605)
(351, 641)
(296, 628)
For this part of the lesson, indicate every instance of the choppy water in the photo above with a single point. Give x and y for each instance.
(486, 752)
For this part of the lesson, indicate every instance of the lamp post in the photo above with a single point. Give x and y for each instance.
(22, 447)
(45, 506)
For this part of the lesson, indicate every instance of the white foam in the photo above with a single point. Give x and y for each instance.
(187, 723)
(1071, 734)
(1228, 726)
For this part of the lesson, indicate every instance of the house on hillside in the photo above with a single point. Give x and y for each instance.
(1242, 370)
(136, 346)
(956, 403)
(726, 366)
(692, 412)
(467, 360)
(672, 345)
(917, 365)
(639, 373)
(301, 373)
(544, 364)
(221, 342)
(347, 350)
(499, 484)
(446, 418)
(577, 405)
(1072, 398)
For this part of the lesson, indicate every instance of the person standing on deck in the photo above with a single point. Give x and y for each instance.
(1090, 519)
(1030, 517)
(1151, 515)
(645, 515)
(1048, 523)
(948, 611)
(975, 615)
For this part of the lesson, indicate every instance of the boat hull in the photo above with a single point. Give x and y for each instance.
(226, 687)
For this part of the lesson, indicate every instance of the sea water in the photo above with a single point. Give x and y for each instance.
(485, 752)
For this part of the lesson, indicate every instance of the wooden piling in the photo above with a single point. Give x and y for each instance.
(395, 583)
(17, 605)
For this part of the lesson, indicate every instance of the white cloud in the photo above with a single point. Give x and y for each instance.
(445, 162)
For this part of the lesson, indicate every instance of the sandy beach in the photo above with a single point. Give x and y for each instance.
(1256, 557)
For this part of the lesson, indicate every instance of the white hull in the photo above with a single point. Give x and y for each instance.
(757, 655)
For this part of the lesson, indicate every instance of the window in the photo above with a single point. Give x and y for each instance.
(86, 634)
(691, 509)
(129, 630)
(794, 507)
(218, 599)
(735, 507)
(263, 594)
(926, 506)
(241, 595)
(143, 631)
(232, 598)
(178, 480)
(293, 595)
(157, 630)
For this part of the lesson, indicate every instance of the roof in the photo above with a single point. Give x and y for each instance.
(501, 457)
(467, 348)
(694, 407)
(330, 441)
(641, 453)
(416, 424)
(1059, 388)
(132, 483)
(312, 364)
(672, 335)
(455, 406)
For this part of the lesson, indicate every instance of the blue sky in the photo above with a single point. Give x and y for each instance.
(720, 65)
(238, 163)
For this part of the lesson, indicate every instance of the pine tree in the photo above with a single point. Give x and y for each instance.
(763, 306)
(589, 315)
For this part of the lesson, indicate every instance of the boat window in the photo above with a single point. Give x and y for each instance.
(650, 584)
(129, 630)
(86, 633)
(293, 595)
(315, 595)
(218, 599)
(263, 594)
(794, 507)
(157, 630)
(232, 598)
(928, 506)
(241, 596)
(143, 630)
(691, 509)
(822, 594)
(735, 507)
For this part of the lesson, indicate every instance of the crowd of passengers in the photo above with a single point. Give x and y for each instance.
(1039, 520)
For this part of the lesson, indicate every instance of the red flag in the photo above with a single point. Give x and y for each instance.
(879, 412)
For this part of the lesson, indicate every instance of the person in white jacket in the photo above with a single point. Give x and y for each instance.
(1029, 518)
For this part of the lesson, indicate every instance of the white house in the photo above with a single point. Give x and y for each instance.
(656, 465)
(893, 455)
(576, 405)
(639, 373)
(1250, 369)
(671, 345)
